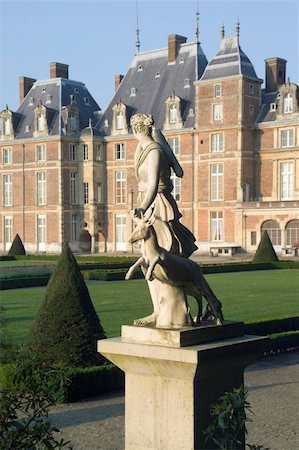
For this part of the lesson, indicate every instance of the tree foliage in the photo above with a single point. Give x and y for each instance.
(265, 251)
(17, 248)
(67, 327)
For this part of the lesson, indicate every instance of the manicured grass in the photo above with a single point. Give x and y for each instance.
(246, 296)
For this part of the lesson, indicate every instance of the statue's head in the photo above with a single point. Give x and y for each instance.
(142, 123)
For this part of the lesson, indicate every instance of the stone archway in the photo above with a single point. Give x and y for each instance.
(274, 232)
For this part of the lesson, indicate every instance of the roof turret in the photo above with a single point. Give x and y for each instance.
(230, 61)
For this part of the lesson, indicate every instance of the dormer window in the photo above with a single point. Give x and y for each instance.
(76, 91)
(181, 61)
(72, 121)
(27, 128)
(40, 122)
(288, 103)
(119, 120)
(133, 92)
(187, 83)
(173, 117)
(139, 69)
(173, 114)
(119, 125)
(272, 106)
(157, 75)
(7, 126)
(48, 98)
(72, 99)
(86, 100)
(30, 101)
(106, 123)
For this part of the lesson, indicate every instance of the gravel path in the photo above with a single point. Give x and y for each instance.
(273, 385)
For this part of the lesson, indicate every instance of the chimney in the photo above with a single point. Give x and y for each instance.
(275, 73)
(59, 70)
(117, 80)
(25, 84)
(174, 43)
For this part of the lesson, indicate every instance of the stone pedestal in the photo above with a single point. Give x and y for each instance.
(172, 378)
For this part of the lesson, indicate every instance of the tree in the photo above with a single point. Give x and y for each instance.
(17, 247)
(265, 251)
(67, 327)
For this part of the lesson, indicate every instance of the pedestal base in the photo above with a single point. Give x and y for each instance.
(169, 389)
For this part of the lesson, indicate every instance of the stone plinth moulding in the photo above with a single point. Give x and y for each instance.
(172, 380)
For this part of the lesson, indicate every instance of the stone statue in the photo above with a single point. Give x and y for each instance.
(166, 242)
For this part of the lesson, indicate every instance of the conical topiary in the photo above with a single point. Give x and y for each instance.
(67, 327)
(265, 251)
(17, 248)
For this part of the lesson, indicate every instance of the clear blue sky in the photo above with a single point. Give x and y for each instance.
(97, 37)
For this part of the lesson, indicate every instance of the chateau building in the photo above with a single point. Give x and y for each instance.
(68, 170)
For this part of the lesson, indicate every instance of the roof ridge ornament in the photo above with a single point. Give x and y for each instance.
(222, 31)
(137, 29)
(197, 26)
(238, 29)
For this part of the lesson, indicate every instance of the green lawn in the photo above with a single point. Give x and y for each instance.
(246, 296)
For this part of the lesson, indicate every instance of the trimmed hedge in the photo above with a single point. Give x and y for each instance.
(272, 326)
(109, 275)
(92, 381)
(16, 283)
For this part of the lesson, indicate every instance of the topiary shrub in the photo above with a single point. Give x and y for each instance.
(17, 247)
(265, 251)
(67, 327)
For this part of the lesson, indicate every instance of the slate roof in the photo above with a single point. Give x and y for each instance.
(266, 115)
(229, 61)
(154, 80)
(55, 94)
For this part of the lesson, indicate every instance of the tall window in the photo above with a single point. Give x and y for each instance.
(287, 137)
(217, 90)
(173, 114)
(217, 112)
(74, 187)
(216, 181)
(119, 120)
(287, 103)
(120, 232)
(85, 193)
(176, 182)
(273, 230)
(85, 152)
(7, 126)
(40, 122)
(292, 232)
(72, 121)
(217, 142)
(74, 227)
(286, 180)
(7, 231)
(216, 226)
(99, 152)
(73, 152)
(174, 143)
(41, 152)
(7, 156)
(41, 232)
(120, 187)
(41, 188)
(7, 189)
(120, 151)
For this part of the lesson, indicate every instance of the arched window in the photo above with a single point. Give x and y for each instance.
(73, 121)
(173, 114)
(7, 126)
(40, 122)
(273, 230)
(119, 120)
(292, 232)
(287, 103)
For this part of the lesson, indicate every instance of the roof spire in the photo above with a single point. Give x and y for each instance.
(222, 31)
(238, 29)
(137, 30)
(197, 25)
